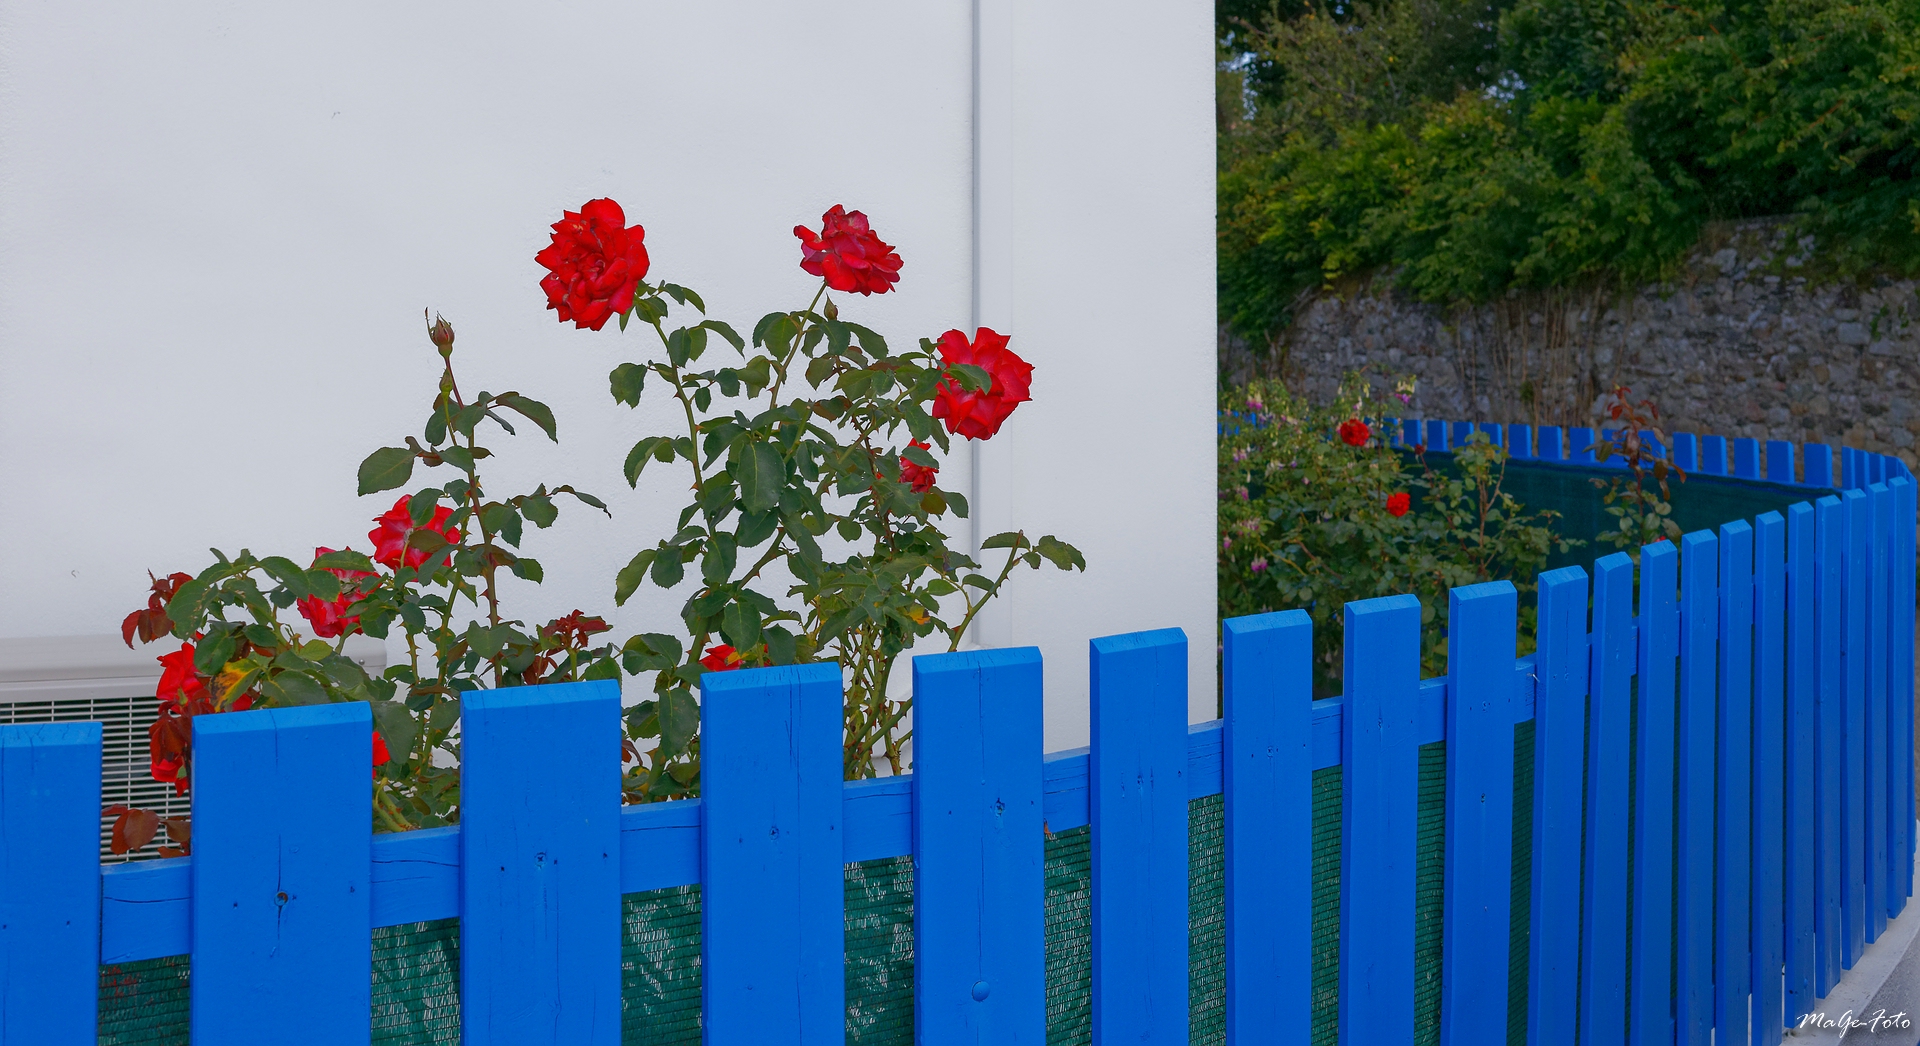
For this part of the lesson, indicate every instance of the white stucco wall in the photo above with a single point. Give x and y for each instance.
(219, 225)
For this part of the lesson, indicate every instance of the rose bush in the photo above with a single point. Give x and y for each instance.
(815, 526)
(432, 577)
(1317, 510)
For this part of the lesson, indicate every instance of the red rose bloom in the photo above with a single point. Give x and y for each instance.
(1398, 504)
(720, 658)
(978, 415)
(180, 683)
(329, 619)
(920, 476)
(1354, 432)
(390, 532)
(848, 254)
(593, 264)
(380, 754)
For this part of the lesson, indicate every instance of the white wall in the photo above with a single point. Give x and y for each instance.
(219, 224)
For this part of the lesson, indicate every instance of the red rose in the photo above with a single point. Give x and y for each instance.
(920, 476)
(722, 658)
(329, 619)
(978, 415)
(380, 753)
(1398, 504)
(593, 264)
(1354, 432)
(391, 531)
(848, 254)
(180, 682)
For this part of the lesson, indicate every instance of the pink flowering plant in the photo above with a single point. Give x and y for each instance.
(816, 528)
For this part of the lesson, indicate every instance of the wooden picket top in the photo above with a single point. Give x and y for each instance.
(1722, 818)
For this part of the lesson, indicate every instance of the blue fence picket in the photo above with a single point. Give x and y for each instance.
(1520, 441)
(1461, 432)
(1854, 746)
(1580, 446)
(1267, 777)
(1693, 917)
(1780, 462)
(1552, 443)
(540, 866)
(1746, 457)
(979, 889)
(1559, 758)
(280, 920)
(1379, 762)
(1437, 436)
(1686, 451)
(1603, 916)
(1410, 432)
(1882, 746)
(1800, 842)
(50, 883)
(1713, 455)
(1495, 433)
(1651, 993)
(1477, 908)
(1733, 839)
(1819, 465)
(772, 894)
(1769, 774)
(1900, 679)
(1830, 629)
(1138, 804)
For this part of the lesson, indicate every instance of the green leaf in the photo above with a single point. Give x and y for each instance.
(650, 652)
(933, 503)
(647, 449)
(873, 343)
(213, 653)
(920, 457)
(529, 569)
(679, 721)
(628, 381)
(1060, 554)
(323, 585)
(397, 727)
(971, 378)
(631, 575)
(420, 506)
(683, 295)
(722, 555)
(385, 469)
(740, 624)
(457, 456)
(1005, 539)
(502, 520)
(539, 509)
(780, 645)
(287, 573)
(958, 503)
(534, 410)
(436, 427)
(293, 688)
(346, 559)
(756, 527)
(667, 568)
(761, 476)
(727, 332)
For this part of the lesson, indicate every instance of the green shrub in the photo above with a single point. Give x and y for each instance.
(1308, 519)
(1592, 144)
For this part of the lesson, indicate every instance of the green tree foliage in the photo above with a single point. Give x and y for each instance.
(1476, 147)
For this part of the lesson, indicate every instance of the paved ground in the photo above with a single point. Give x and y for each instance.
(1882, 991)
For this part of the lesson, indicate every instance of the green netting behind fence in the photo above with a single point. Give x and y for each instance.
(416, 968)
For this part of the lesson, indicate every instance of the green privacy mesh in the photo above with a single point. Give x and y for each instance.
(416, 968)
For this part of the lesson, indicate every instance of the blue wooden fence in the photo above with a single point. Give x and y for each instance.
(1722, 819)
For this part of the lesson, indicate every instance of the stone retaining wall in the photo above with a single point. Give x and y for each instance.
(1749, 339)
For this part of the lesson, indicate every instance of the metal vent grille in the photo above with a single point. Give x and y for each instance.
(67, 679)
(124, 779)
